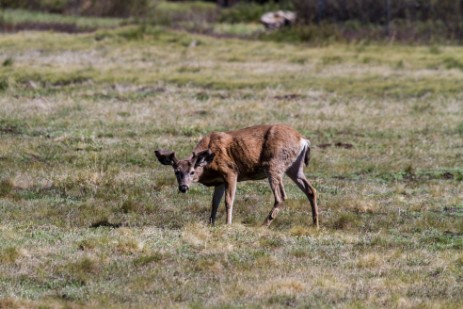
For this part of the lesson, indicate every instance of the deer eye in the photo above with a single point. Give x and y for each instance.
(192, 173)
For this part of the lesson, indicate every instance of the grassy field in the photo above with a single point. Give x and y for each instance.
(12, 20)
(90, 219)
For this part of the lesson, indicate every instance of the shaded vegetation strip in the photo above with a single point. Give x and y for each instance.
(39, 26)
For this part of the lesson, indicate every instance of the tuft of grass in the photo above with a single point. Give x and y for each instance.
(459, 129)
(272, 242)
(370, 260)
(82, 271)
(453, 63)
(11, 303)
(130, 206)
(9, 255)
(330, 60)
(435, 50)
(147, 259)
(303, 34)
(6, 186)
(346, 221)
(300, 230)
(8, 62)
(4, 83)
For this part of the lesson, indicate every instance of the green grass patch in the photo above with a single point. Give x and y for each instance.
(23, 17)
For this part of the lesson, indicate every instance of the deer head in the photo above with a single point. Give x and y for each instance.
(186, 171)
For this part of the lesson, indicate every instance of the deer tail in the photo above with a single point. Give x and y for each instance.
(307, 154)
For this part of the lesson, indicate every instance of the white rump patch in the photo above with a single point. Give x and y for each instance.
(305, 143)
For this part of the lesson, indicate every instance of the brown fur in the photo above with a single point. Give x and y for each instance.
(258, 152)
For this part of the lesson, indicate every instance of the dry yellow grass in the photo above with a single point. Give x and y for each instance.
(89, 219)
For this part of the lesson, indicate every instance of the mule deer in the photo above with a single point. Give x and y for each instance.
(221, 159)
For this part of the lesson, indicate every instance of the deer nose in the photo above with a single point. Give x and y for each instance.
(183, 188)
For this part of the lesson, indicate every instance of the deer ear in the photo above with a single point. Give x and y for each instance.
(203, 158)
(166, 157)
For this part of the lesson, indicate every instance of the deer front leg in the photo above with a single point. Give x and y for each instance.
(216, 198)
(230, 190)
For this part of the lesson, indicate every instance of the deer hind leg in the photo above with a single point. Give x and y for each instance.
(296, 173)
(276, 184)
